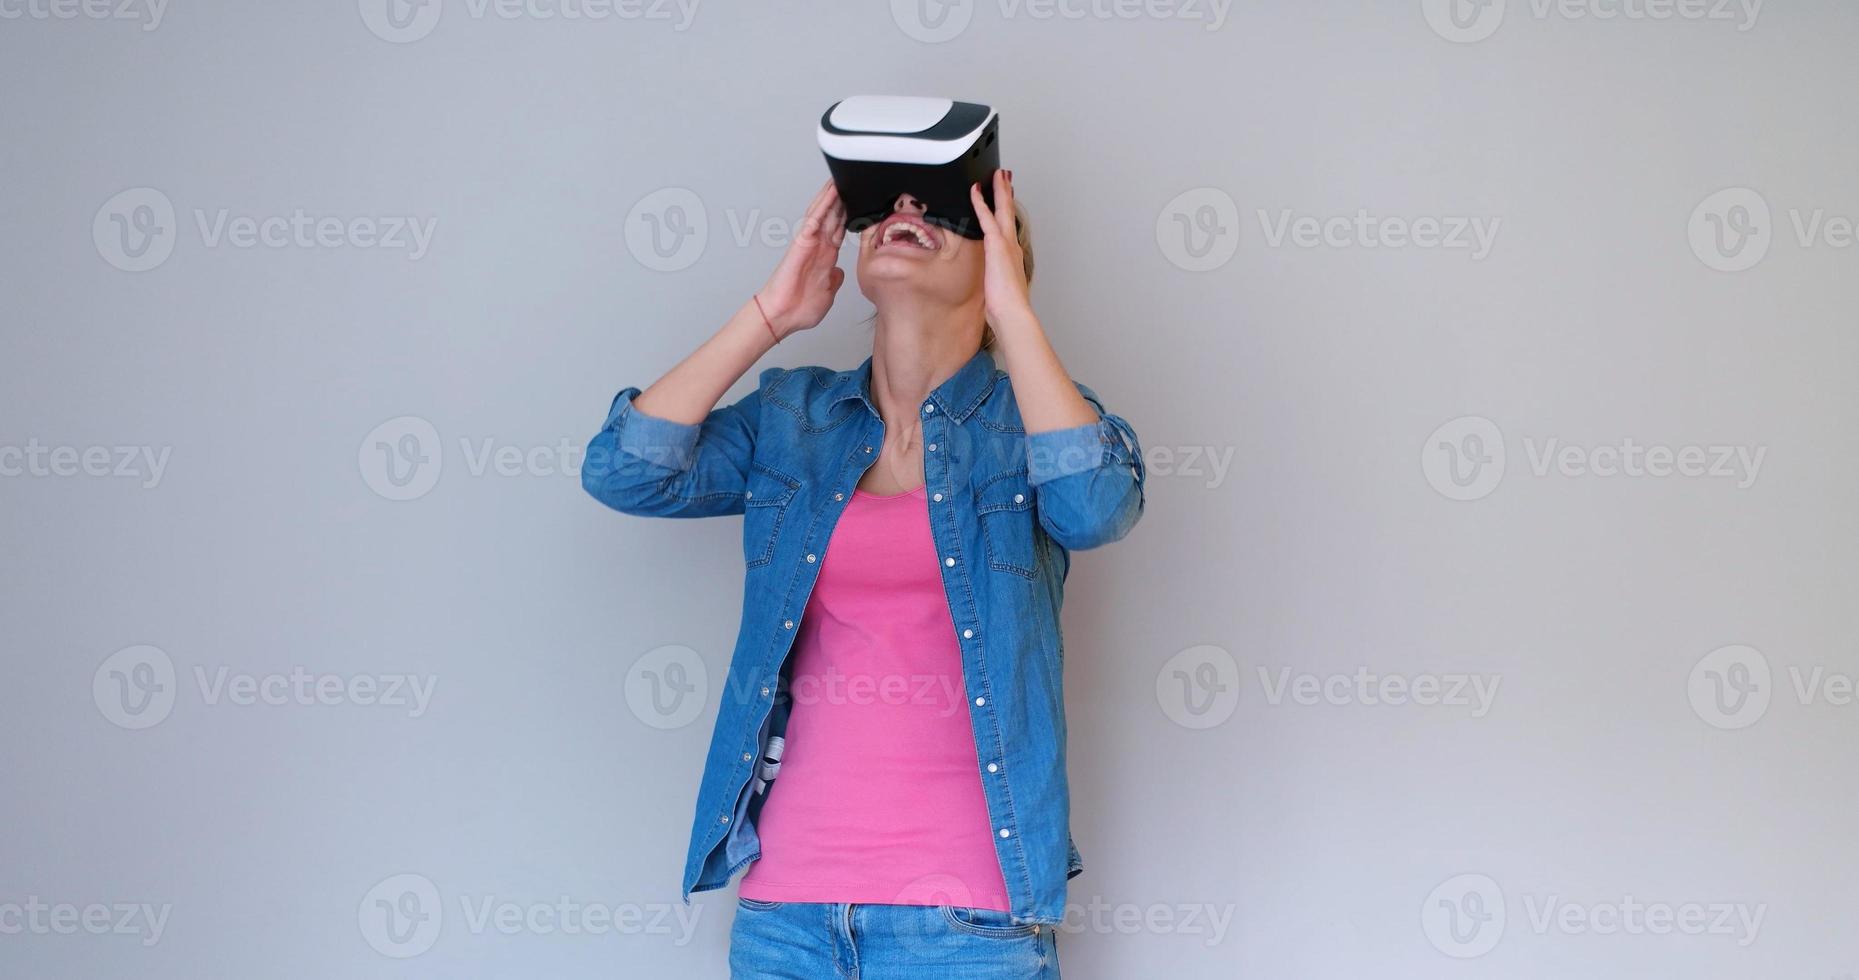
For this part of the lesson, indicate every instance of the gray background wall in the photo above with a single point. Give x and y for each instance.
(1370, 452)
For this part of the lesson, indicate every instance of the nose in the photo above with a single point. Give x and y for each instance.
(906, 204)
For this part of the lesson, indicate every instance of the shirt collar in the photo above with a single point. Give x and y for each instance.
(957, 397)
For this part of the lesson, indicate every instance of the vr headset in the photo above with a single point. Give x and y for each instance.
(880, 146)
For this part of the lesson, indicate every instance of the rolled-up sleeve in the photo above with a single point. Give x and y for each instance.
(1087, 480)
(643, 464)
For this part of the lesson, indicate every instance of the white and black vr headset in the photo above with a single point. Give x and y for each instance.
(880, 146)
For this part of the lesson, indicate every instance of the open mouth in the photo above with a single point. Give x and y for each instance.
(907, 233)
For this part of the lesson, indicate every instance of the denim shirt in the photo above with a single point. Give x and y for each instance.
(1006, 511)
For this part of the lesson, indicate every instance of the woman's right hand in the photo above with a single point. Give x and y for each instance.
(802, 287)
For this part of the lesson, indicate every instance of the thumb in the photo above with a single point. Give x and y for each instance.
(835, 278)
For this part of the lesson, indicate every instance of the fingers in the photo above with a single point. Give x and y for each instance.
(820, 197)
(1003, 203)
(813, 221)
(837, 215)
(989, 227)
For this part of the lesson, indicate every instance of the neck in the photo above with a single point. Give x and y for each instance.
(914, 351)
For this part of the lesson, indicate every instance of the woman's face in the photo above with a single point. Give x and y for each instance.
(905, 256)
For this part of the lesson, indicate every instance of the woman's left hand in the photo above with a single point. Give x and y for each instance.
(1004, 288)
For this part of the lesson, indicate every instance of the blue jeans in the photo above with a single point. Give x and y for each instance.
(837, 941)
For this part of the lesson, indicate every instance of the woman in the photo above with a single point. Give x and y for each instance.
(907, 530)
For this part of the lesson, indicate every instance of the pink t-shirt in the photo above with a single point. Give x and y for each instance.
(878, 797)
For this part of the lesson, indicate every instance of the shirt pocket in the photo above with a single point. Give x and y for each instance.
(1004, 504)
(765, 502)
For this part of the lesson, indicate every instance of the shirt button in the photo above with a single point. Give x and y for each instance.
(1006, 833)
(723, 819)
(748, 495)
(980, 701)
(937, 498)
(928, 407)
(746, 757)
(949, 562)
(993, 768)
(931, 447)
(968, 634)
(764, 692)
(867, 450)
(788, 625)
(1019, 498)
(811, 559)
(839, 496)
